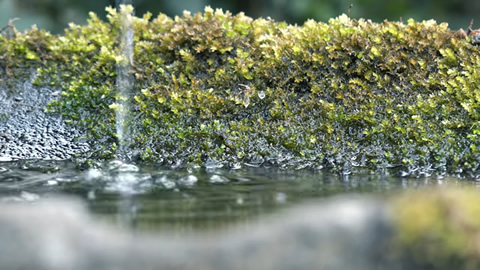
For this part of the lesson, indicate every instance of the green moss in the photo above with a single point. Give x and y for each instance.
(439, 229)
(345, 94)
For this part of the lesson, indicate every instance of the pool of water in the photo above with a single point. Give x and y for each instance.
(153, 198)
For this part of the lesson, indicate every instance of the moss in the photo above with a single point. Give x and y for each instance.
(348, 94)
(439, 229)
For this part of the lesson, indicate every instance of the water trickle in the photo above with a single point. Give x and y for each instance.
(125, 80)
(126, 181)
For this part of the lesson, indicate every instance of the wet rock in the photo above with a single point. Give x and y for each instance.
(29, 132)
(431, 229)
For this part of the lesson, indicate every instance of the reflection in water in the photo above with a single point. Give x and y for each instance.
(160, 198)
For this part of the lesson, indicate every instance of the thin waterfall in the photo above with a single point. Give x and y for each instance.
(125, 80)
(123, 178)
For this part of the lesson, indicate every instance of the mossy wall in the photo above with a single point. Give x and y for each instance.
(349, 94)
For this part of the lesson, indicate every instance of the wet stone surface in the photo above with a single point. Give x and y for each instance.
(28, 132)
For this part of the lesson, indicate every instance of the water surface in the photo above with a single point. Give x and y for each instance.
(188, 199)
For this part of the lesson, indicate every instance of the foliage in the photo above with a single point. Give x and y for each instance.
(348, 94)
(55, 15)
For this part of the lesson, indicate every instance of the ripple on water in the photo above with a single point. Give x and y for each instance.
(156, 197)
(24, 196)
(166, 182)
(124, 183)
(5, 159)
(120, 166)
(218, 179)
(188, 181)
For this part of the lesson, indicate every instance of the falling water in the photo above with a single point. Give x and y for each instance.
(122, 179)
(125, 80)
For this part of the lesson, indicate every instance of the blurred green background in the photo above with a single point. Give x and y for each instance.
(55, 15)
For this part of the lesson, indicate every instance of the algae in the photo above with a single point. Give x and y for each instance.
(348, 94)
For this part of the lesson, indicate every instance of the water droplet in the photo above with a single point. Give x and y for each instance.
(5, 159)
(218, 179)
(114, 164)
(93, 174)
(236, 166)
(126, 180)
(128, 183)
(166, 182)
(281, 197)
(52, 183)
(29, 197)
(246, 100)
(239, 200)
(119, 166)
(211, 165)
(91, 195)
(261, 95)
(188, 181)
(128, 168)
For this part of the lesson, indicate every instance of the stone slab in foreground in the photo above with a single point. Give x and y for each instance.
(338, 233)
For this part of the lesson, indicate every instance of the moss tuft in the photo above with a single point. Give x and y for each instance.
(348, 94)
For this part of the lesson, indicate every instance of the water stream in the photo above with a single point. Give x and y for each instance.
(125, 81)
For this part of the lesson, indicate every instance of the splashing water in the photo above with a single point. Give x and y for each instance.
(125, 80)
